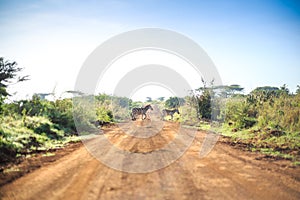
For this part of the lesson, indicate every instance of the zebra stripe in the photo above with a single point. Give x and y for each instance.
(140, 111)
(167, 112)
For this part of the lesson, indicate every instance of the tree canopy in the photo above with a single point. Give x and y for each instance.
(8, 74)
(174, 102)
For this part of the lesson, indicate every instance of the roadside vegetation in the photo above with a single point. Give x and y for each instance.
(31, 126)
(265, 120)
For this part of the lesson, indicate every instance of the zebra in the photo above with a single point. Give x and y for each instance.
(140, 111)
(166, 112)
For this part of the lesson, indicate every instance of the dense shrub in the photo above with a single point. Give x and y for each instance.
(59, 112)
(104, 115)
(271, 108)
(283, 114)
(238, 113)
(26, 135)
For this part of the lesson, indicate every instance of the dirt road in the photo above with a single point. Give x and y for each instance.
(226, 173)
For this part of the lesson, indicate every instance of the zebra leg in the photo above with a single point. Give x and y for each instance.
(132, 117)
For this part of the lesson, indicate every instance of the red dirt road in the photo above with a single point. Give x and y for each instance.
(226, 173)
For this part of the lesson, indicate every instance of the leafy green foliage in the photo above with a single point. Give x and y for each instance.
(84, 114)
(111, 109)
(59, 112)
(27, 135)
(282, 114)
(188, 114)
(265, 120)
(104, 115)
(298, 89)
(34, 125)
(201, 100)
(8, 73)
(174, 102)
(267, 107)
(204, 104)
(238, 112)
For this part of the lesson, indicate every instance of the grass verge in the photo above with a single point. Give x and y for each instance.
(271, 142)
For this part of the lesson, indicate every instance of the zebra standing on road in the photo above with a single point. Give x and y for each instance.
(166, 112)
(140, 111)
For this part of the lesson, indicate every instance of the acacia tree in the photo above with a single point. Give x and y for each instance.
(226, 91)
(8, 75)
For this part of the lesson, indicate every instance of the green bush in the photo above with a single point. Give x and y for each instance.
(238, 113)
(26, 135)
(60, 112)
(104, 115)
(42, 125)
(283, 114)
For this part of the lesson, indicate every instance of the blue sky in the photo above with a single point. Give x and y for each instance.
(252, 43)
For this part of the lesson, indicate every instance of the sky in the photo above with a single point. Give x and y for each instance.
(252, 43)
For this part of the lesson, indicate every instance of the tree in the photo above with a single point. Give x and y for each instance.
(148, 99)
(8, 75)
(174, 102)
(263, 94)
(123, 102)
(233, 89)
(9, 72)
(161, 98)
(284, 89)
(202, 98)
(265, 88)
(298, 89)
(227, 91)
(203, 103)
